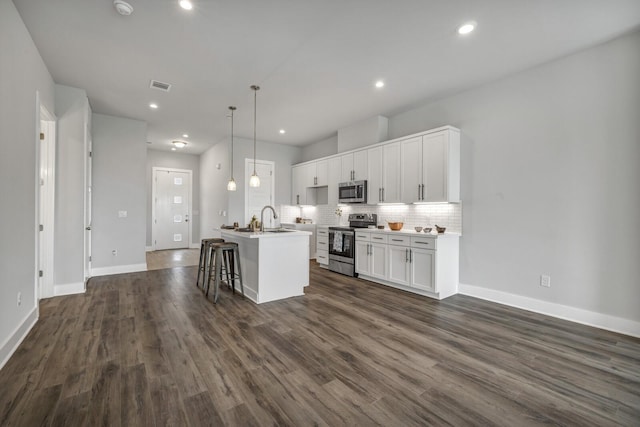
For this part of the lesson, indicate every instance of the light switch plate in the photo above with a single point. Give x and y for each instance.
(122, 214)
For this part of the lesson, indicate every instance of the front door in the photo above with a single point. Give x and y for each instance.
(172, 201)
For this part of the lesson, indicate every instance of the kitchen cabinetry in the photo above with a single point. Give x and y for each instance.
(423, 264)
(354, 166)
(311, 228)
(334, 167)
(322, 246)
(371, 255)
(383, 173)
(431, 167)
(308, 175)
(298, 187)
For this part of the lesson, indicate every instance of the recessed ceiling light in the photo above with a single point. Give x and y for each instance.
(173, 148)
(283, 131)
(379, 84)
(153, 105)
(466, 28)
(184, 135)
(186, 4)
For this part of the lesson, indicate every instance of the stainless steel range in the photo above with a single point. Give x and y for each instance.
(342, 243)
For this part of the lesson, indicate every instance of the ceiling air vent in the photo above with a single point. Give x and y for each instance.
(160, 85)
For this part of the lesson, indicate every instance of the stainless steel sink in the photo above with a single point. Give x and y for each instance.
(278, 230)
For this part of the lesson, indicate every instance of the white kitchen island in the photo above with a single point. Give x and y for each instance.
(275, 265)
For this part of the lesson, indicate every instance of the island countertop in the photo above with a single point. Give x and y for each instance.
(267, 234)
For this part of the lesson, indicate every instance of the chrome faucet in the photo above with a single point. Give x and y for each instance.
(275, 216)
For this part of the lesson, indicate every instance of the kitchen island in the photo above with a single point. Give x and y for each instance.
(275, 264)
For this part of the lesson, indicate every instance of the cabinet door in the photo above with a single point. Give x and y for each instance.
(378, 258)
(322, 173)
(391, 167)
(362, 258)
(374, 172)
(423, 269)
(309, 175)
(334, 178)
(398, 264)
(347, 167)
(434, 161)
(360, 165)
(297, 186)
(411, 176)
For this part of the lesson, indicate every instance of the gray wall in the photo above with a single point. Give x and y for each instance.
(169, 159)
(119, 184)
(71, 105)
(550, 174)
(214, 194)
(363, 133)
(324, 148)
(22, 73)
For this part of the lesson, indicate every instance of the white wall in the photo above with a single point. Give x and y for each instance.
(550, 175)
(119, 184)
(365, 132)
(324, 148)
(71, 106)
(174, 160)
(22, 73)
(214, 194)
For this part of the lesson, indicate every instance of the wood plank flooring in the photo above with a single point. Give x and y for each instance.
(148, 349)
(159, 260)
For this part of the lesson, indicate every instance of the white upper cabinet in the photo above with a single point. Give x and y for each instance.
(431, 168)
(383, 173)
(354, 166)
(334, 167)
(322, 173)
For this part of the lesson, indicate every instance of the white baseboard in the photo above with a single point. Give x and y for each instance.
(573, 314)
(118, 269)
(194, 246)
(10, 345)
(68, 289)
(148, 249)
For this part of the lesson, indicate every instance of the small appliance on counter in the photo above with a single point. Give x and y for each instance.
(342, 243)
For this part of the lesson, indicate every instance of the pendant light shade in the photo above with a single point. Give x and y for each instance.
(231, 185)
(254, 181)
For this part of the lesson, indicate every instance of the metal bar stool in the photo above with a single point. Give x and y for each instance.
(228, 254)
(205, 259)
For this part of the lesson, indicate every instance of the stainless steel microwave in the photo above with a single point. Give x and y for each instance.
(352, 192)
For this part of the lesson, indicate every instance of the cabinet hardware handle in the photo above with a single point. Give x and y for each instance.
(379, 194)
(383, 194)
(422, 243)
(297, 199)
(378, 238)
(418, 191)
(397, 240)
(422, 192)
(406, 255)
(410, 255)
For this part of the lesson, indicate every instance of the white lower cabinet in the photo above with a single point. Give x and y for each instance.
(427, 265)
(322, 246)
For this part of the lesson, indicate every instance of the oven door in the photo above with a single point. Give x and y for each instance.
(346, 250)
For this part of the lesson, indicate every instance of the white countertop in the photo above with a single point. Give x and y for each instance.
(408, 231)
(265, 234)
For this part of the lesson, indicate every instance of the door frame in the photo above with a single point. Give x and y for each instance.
(154, 231)
(248, 171)
(88, 201)
(45, 203)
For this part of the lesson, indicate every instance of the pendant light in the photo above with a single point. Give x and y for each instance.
(254, 181)
(231, 185)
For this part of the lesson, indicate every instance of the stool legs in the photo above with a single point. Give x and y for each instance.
(201, 264)
(229, 255)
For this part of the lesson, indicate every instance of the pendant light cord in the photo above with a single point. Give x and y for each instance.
(255, 109)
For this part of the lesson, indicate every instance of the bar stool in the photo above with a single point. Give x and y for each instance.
(205, 259)
(228, 254)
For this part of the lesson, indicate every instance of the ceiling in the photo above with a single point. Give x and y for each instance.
(315, 60)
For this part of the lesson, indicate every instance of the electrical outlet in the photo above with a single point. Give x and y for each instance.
(545, 280)
(19, 299)
(114, 252)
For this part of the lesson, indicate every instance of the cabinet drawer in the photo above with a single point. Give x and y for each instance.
(322, 244)
(322, 257)
(323, 232)
(363, 237)
(379, 238)
(400, 240)
(424, 242)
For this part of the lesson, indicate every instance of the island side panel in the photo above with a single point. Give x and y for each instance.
(248, 249)
(284, 267)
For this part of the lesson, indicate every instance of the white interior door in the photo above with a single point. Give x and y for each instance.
(46, 205)
(258, 197)
(87, 196)
(172, 208)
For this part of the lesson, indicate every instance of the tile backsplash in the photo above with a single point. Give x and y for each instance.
(445, 215)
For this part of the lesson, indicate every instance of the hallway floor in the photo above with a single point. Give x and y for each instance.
(158, 260)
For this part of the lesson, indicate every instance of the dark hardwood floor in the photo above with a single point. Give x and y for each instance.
(149, 349)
